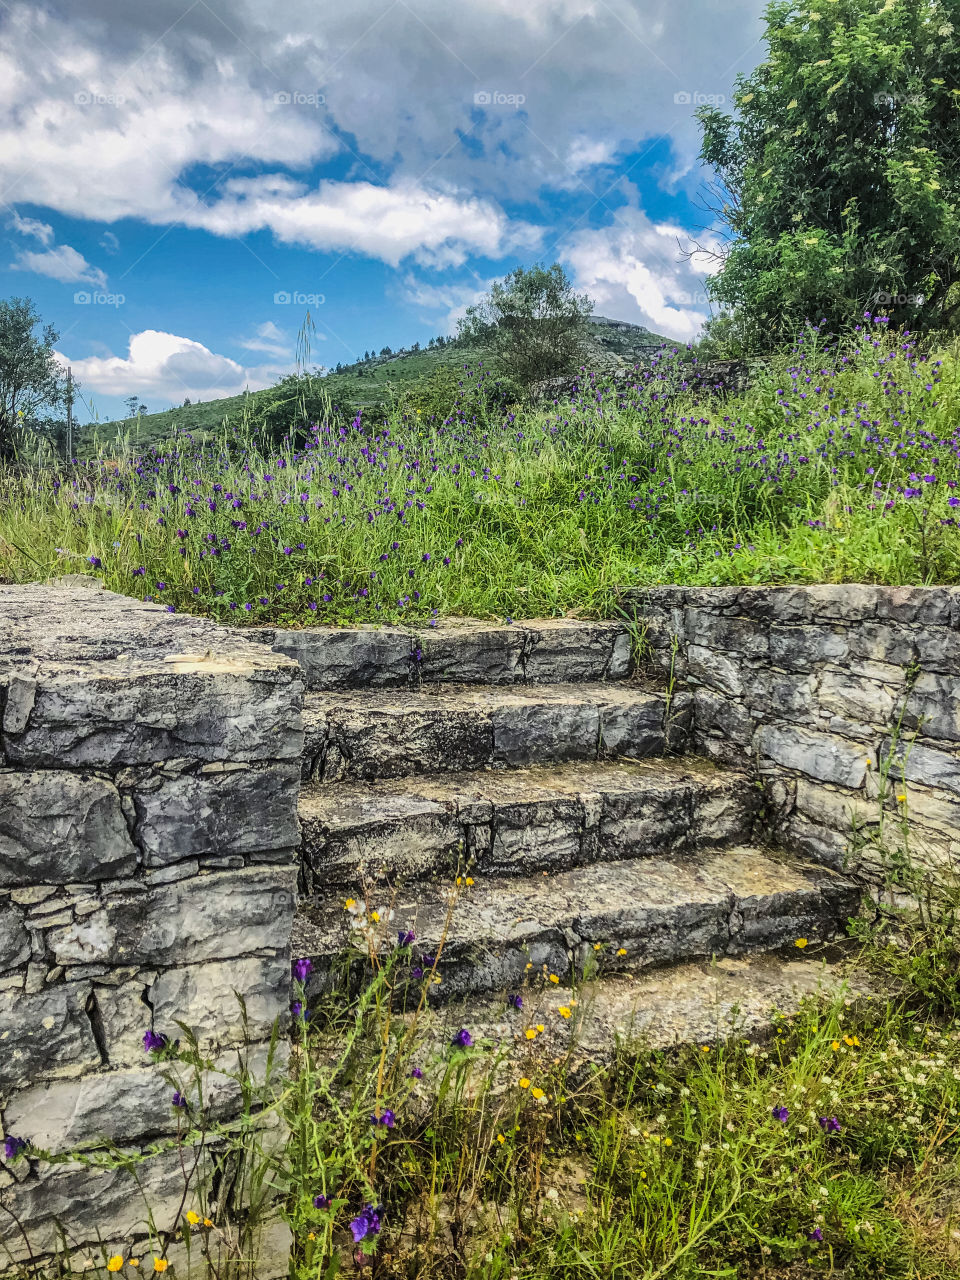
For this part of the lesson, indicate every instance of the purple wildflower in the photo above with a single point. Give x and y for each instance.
(178, 1099)
(322, 1202)
(815, 1234)
(830, 1124)
(515, 1002)
(302, 969)
(406, 937)
(416, 1074)
(386, 1118)
(367, 1223)
(13, 1146)
(153, 1041)
(781, 1114)
(463, 1039)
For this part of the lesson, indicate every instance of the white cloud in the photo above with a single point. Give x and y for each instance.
(62, 263)
(109, 243)
(634, 271)
(450, 299)
(168, 367)
(41, 231)
(163, 112)
(269, 339)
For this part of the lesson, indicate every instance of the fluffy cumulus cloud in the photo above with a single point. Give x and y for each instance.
(172, 112)
(634, 270)
(163, 366)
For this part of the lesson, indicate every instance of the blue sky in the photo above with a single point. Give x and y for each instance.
(181, 181)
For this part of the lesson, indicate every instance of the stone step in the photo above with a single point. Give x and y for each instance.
(381, 734)
(609, 917)
(464, 651)
(700, 1003)
(518, 821)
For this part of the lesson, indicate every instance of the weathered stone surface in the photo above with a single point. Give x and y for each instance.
(543, 818)
(132, 1105)
(652, 912)
(211, 917)
(344, 658)
(88, 1202)
(57, 826)
(715, 670)
(819, 755)
(206, 998)
(45, 1034)
(698, 1003)
(14, 939)
(247, 810)
(96, 680)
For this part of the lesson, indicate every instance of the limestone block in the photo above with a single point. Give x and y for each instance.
(218, 813)
(819, 755)
(45, 1033)
(134, 1105)
(934, 706)
(206, 998)
(57, 826)
(211, 917)
(849, 696)
(14, 939)
(717, 670)
(338, 658)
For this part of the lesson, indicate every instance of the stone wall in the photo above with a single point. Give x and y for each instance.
(817, 687)
(149, 768)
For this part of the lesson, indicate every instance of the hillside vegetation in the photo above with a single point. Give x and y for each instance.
(839, 464)
(369, 384)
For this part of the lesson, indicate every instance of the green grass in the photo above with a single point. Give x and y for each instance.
(835, 466)
(830, 1146)
(366, 385)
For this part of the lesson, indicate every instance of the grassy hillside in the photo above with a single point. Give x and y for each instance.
(362, 385)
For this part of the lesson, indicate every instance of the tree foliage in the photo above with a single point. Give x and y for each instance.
(30, 378)
(840, 173)
(534, 322)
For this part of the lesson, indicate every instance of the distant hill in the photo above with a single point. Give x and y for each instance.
(363, 384)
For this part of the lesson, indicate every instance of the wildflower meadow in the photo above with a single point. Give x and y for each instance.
(838, 464)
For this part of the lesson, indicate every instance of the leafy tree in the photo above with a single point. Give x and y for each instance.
(839, 178)
(534, 321)
(30, 378)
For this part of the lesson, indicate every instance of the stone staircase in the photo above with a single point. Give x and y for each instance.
(526, 776)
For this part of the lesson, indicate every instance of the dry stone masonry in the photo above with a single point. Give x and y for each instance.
(148, 836)
(824, 690)
(181, 803)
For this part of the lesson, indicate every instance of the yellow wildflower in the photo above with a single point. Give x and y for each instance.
(193, 1218)
(554, 978)
(704, 1048)
(835, 1046)
(536, 1093)
(622, 951)
(530, 1033)
(115, 1263)
(563, 1011)
(501, 1139)
(902, 799)
(375, 917)
(469, 880)
(541, 1027)
(160, 1264)
(349, 904)
(523, 1082)
(598, 946)
(801, 943)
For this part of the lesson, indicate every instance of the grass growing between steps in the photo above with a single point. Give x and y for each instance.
(839, 464)
(413, 1149)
